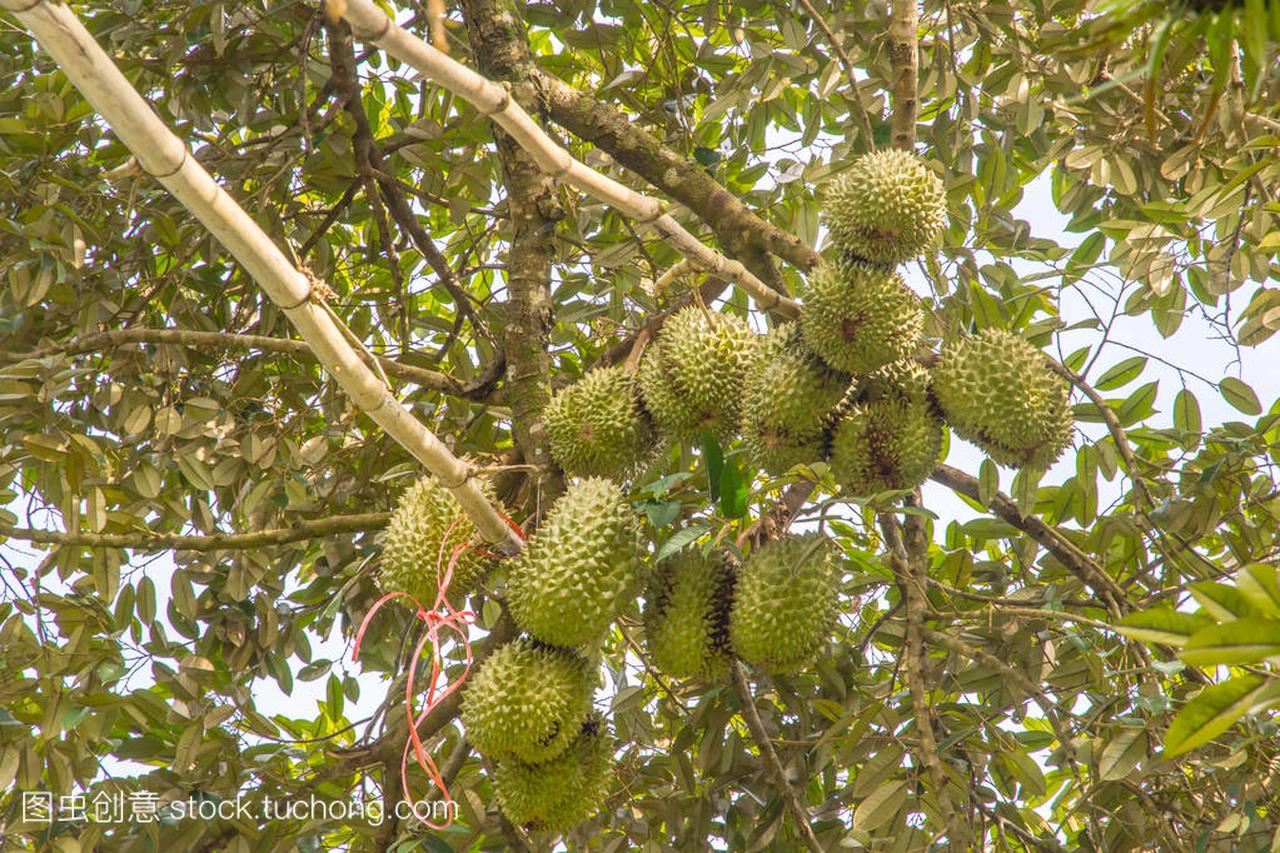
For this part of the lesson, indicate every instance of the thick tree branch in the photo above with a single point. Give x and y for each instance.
(148, 541)
(915, 662)
(300, 296)
(498, 103)
(480, 388)
(799, 814)
(534, 210)
(905, 59)
(739, 228)
(1075, 560)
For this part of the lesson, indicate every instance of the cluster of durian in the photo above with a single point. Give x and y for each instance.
(842, 385)
(688, 383)
(528, 709)
(775, 612)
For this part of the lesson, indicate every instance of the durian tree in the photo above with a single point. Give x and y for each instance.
(754, 425)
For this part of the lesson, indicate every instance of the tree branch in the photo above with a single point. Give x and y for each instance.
(479, 389)
(311, 528)
(299, 295)
(799, 814)
(1067, 552)
(905, 59)
(534, 211)
(915, 662)
(738, 227)
(498, 103)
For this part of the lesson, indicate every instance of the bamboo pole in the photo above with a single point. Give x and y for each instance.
(166, 158)
(369, 23)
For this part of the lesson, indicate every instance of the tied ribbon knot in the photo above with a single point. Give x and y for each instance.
(442, 616)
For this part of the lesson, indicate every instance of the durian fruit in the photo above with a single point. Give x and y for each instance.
(426, 527)
(596, 427)
(891, 435)
(787, 402)
(997, 391)
(580, 567)
(784, 602)
(527, 702)
(887, 208)
(691, 375)
(555, 795)
(859, 317)
(686, 615)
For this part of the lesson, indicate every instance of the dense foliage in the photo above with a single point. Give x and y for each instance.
(1080, 661)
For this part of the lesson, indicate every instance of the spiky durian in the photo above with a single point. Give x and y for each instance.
(997, 391)
(596, 426)
(425, 530)
(691, 375)
(890, 436)
(887, 208)
(784, 602)
(580, 567)
(787, 402)
(889, 444)
(686, 615)
(858, 317)
(527, 702)
(554, 796)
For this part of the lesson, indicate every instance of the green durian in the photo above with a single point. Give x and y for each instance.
(858, 317)
(686, 615)
(997, 391)
(691, 375)
(887, 208)
(784, 602)
(890, 436)
(554, 796)
(527, 702)
(787, 402)
(425, 529)
(583, 563)
(595, 426)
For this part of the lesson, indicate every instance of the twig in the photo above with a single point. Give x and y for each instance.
(799, 815)
(846, 62)
(916, 661)
(1077, 562)
(151, 541)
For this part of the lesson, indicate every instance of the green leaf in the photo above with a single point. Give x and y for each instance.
(1139, 405)
(988, 482)
(1121, 374)
(1162, 625)
(881, 805)
(713, 458)
(1260, 584)
(680, 539)
(1186, 412)
(1236, 642)
(1212, 712)
(733, 491)
(334, 697)
(1122, 753)
(1223, 602)
(1240, 396)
